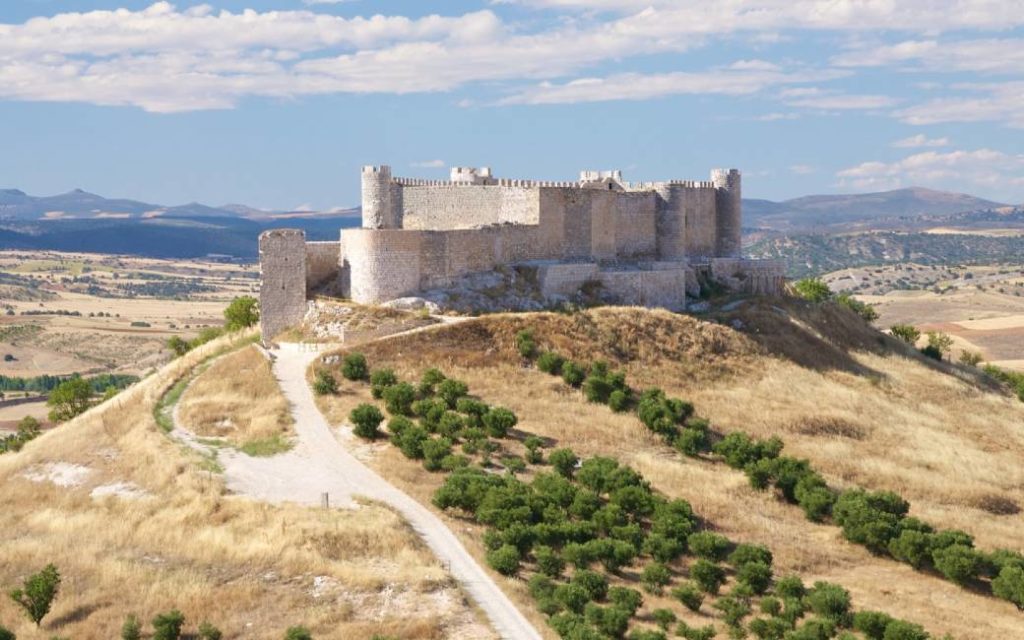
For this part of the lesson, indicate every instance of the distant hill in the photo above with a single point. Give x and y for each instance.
(859, 211)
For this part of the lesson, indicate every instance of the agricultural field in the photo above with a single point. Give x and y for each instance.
(981, 307)
(63, 313)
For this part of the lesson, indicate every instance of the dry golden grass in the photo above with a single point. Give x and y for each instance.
(252, 569)
(862, 408)
(237, 398)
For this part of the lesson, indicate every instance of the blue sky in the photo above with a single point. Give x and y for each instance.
(276, 103)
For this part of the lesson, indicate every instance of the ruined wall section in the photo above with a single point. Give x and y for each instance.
(323, 264)
(282, 280)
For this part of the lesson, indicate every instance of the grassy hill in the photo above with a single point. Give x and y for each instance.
(863, 409)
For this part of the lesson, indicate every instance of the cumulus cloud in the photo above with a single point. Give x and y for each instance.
(920, 140)
(991, 102)
(982, 168)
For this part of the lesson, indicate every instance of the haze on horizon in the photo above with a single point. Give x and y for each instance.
(276, 103)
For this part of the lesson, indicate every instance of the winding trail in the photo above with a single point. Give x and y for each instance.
(319, 463)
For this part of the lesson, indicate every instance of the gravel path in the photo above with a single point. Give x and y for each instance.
(319, 463)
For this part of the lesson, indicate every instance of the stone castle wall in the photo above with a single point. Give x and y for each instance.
(282, 280)
(322, 264)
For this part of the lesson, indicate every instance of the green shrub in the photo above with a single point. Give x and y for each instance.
(533, 446)
(434, 453)
(209, 632)
(871, 623)
(867, 312)
(790, 587)
(901, 630)
(298, 633)
(931, 352)
(906, 332)
(771, 605)
(380, 380)
(324, 383)
(733, 609)
(688, 594)
(548, 561)
(429, 381)
(812, 289)
(525, 344)
(664, 618)
(573, 374)
(450, 391)
(692, 442)
(132, 628)
(572, 596)
(366, 419)
(354, 367)
(618, 401)
(504, 560)
(450, 425)
(541, 587)
(595, 584)
(662, 548)
(769, 628)
(814, 629)
(564, 461)
(167, 626)
(498, 421)
(870, 519)
(37, 593)
(6, 634)
(684, 630)
(745, 553)
(610, 622)
(707, 544)
(958, 562)
(398, 398)
(550, 362)
(629, 600)
(912, 547)
(644, 634)
(474, 411)
(655, 577)
(830, 601)
(410, 441)
(708, 575)
(1009, 584)
(740, 450)
(756, 575)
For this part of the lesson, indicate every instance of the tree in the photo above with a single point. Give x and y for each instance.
(564, 461)
(132, 628)
(940, 342)
(167, 626)
(37, 593)
(70, 398)
(242, 313)
(1009, 584)
(812, 289)
(209, 632)
(906, 332)
(366, 419)
(324, 383)
(971, 358)
(298, 633)
(504, 560)
(354, 367)
(178, 346)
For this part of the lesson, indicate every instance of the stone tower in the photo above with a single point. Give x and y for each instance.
(282, 280)
(728, 198)
(378, 209)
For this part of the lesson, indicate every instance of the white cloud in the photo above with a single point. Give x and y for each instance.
(317, 2)
(979, 168)
(920, 140)
(814, 98)
(776, 116)
(981, 56)
(993, 102)
(429, 164)
(802, 169)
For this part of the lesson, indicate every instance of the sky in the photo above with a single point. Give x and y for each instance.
(277, 103)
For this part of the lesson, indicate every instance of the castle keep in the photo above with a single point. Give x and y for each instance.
(647, 243)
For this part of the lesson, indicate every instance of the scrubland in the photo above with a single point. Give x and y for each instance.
(136, 525)
(863, 408)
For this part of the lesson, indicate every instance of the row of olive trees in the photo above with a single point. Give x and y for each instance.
(37, 593)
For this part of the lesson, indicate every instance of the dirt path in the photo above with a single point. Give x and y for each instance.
(320, 464)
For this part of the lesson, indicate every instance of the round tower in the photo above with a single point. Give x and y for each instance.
(729, 214)
(378, 212)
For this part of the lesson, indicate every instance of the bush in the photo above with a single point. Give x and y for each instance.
(434, 453)
(354, 367)
(867, 312)
(688, 594)
(298, 633)
(498, 421)
(450, 425)
(756, 575)
(871, 623)
(564, 461)
(1009, 585)
(380, 380)
(618, 401)
(548, 561)
(629, 600)
(610, 622)
(692, 442)
(398, 398)
(971, 358)
(167, 626)
(504, 560)
(830, 601)
(71, 398)
(870, 519)
(708, 576)
(324, 383)
(655, 577)
(525, 344)
(595, 584)
(209, 632)
(429, 381)
(572, 596)
(242, 313)
(740, 450)
(769, 628)
(37, 593)
(573, 374)
(709, 545)
(410, 441)
(931, 352)
(906, 332)
(901, 630)
(664, 618)
(663, 548)
(733, 610)
(450, 391)
(812, 289)
(958, 563)
(6, 634)
(912, 547)
(550, 362)
(790, 587)
(366, 419)
(696, 633)
(746, 553)
(176, 344)
(131, 629)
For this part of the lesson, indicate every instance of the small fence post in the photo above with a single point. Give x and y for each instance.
(325, 500)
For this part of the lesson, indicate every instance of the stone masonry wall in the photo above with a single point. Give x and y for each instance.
(445, 207)
(282, 280)
(635, 223)
(323, 263)
(699, 206)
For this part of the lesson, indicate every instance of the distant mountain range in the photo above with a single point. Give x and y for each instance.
(82, 221)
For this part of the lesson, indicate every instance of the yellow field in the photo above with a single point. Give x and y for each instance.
(135, 525)
(864, 414)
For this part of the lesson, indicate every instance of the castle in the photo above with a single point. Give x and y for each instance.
(648, 243)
